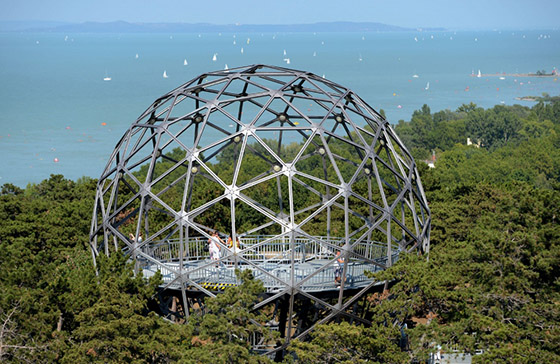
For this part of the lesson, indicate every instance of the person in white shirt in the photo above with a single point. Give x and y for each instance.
(214, 246)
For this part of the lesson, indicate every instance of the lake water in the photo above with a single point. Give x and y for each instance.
(60, 116)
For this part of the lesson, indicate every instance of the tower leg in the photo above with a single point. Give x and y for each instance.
(282, 326)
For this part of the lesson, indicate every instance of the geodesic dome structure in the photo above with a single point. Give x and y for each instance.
(310, 180)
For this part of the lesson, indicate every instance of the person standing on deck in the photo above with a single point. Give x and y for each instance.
(214, 246)
(133, 238)
(235, 248)
(339, 267)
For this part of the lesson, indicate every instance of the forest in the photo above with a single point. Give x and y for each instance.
(490, 285)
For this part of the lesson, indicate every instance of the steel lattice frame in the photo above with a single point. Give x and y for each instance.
(212, 150)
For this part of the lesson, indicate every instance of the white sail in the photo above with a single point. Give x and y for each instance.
(185, 62)
(136, 56)
(427, 86)
(226, 67)
(241, 50)
(215, 57)
(165, 74)
(479, 74)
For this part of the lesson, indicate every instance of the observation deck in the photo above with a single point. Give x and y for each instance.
(314, 182)
(270, 260)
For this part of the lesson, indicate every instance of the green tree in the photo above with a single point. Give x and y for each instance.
(117, 326)
(347, 343)
(489, 282)
(224, 332)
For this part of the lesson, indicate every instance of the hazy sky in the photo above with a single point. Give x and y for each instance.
(452, 14)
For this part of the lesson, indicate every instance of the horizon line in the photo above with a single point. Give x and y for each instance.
(61, 23)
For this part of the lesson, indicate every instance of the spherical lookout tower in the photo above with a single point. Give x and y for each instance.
(312, 182)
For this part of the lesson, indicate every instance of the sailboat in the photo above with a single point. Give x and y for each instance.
(479, 74)
(165, 74)
(427, 86)
(226, 67)
(241, 50)
(106, 78)
(136, 56)
(415, 76)
(314, 54)
(287, 60)
(185, 62)
(284, 52)
(215, 58)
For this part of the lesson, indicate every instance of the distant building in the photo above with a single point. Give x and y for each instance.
(469, 142)
(431, 162)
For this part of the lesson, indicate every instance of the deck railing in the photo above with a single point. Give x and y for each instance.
(262, 249)
(272, 256)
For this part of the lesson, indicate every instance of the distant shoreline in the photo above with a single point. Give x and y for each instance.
(545, 98)
(515, 75)
(527, 98)
(126, 27)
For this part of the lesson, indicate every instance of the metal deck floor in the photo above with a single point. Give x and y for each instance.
(310, 276)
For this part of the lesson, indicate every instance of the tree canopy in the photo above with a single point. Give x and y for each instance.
(490, 284)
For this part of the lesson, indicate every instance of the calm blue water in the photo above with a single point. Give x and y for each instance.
(54, 100)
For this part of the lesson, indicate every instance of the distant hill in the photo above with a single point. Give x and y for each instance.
(126, 27)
